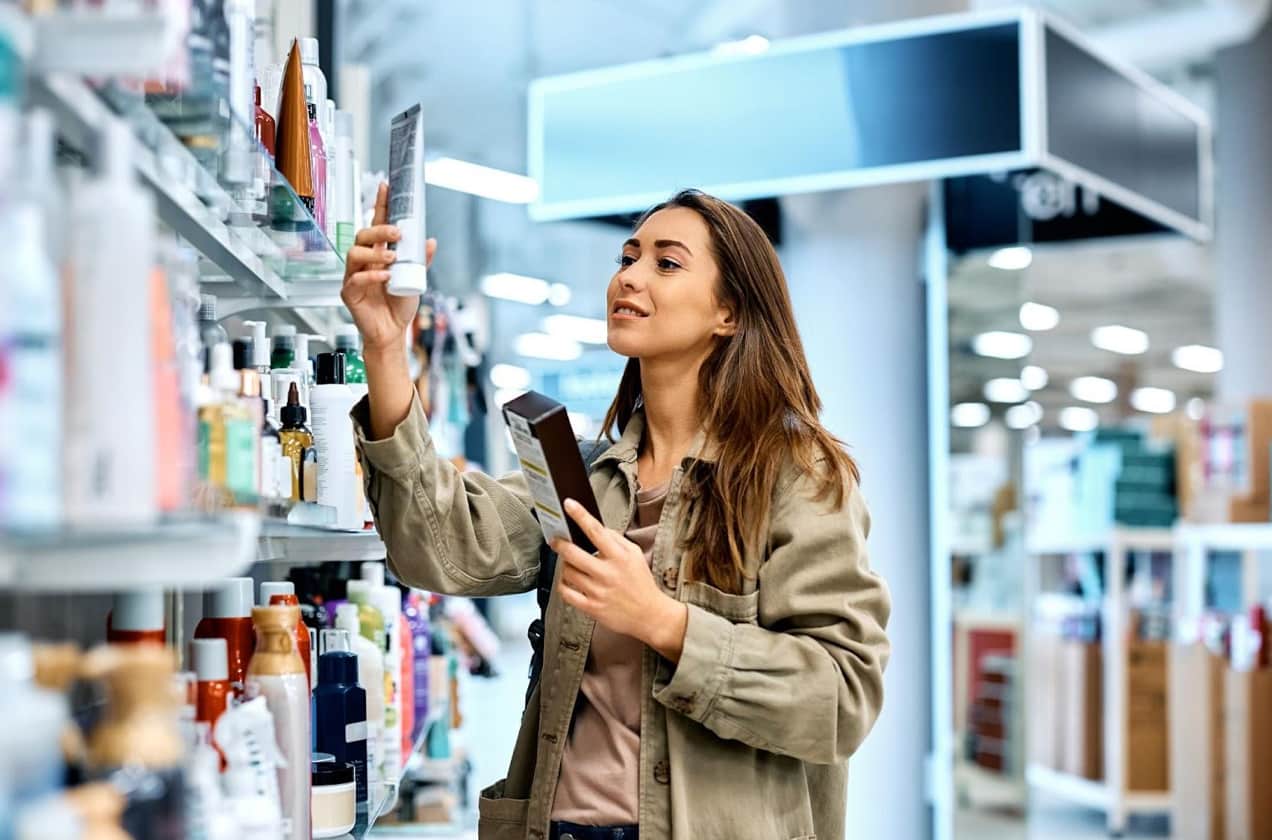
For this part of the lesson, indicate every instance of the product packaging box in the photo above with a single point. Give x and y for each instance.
(1197, 764)
(1082, 709)
(1147, 727)
(1248, 754)
(552, 464)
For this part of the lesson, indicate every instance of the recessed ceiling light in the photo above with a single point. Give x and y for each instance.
(510, 376)
(1015, 258)
(1038, 317)
(1005, 390)
(1093, 389)
(559, 294)
(1078, 419)
(1153, 400)
(544, 346)
(1033, 377)
(969, 415)
(586, 330)
(484, 181)
(998, 344)
(1196, 408)
(1198, 358)
(515, 287)
(1120, 339)
(1024, 415)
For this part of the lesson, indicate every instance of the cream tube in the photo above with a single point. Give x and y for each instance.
(408, 275)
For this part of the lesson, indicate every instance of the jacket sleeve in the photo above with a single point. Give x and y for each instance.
(807, 681)
(458, 534)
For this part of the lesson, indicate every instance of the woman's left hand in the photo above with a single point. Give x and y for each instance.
(616, 587)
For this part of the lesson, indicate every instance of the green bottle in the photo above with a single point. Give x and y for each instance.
(371, 619)
(284, 353)
(346, 341)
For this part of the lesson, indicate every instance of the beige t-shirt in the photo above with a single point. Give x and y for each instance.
(600, 771)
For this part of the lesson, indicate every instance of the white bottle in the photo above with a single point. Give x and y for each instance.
(30, 338)
(328, 130)
(342, 209)
(315, 83)
(371, 678)
(330, 402)
(109, 462)
(388, 600)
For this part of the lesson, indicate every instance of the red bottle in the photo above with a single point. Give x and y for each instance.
(227, 614)
(284, 592)
(136, 617)
(211, 670)
(266, 129)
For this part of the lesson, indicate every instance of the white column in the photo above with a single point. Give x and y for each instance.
(853, 263)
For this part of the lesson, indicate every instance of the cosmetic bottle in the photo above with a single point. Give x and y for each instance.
(241, 94)
(347, 340)
(371, 678)
(341, 721)
(295, 438)
(212, 691)
(315, 80)
(330, 403)
(341, 173)
(137, 617)
(277, 673)
(174, 415)
(318, 167)
(294, 156)
(233, 429)
(270, 444)
(109, 462)
(137, 745)
(284, 352)
(388, 601)
(327, 127)
(31, 765)
(247, 738)
(211, 333)
(416, 612)
(303, 362)
(265, 127)
(276, 593)
(227, 614)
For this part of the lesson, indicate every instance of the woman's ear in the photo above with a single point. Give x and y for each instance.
(726, 323)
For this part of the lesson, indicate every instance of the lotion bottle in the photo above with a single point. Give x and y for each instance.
(330, 402)
(371, 678)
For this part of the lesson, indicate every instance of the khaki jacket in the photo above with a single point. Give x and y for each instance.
(748, 737)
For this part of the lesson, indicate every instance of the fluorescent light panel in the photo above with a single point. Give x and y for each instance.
(484, 181)
(1038, 317)
(510, 376)
(998, 344)
(543, 346)
(1198, 358)
(585, 330)
(969, 415)
(516, 287)
(1093, 389)
(1033, 377)
(1117, 338)
(1153, 400)
(1024, 415)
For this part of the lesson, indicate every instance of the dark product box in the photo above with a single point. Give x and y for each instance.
(552, 464)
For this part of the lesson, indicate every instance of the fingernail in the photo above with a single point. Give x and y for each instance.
(390, 256)
(396, 233)
(570, 504)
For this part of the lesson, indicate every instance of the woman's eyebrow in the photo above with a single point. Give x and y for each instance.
(661, 243)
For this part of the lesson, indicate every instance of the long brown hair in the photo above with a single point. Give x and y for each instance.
(760, 407)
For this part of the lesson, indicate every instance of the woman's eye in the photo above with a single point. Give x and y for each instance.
(625, 260)
(668, 264)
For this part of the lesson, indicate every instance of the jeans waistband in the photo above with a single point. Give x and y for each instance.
(570, 831)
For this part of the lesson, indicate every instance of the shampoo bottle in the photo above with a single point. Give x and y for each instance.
(109, 467)
(227, 614)
(416, 612)
(277, 673)
(283, 593)
(371, 678)
(136, 617)
(341, 722)
(212, 689)
(387, 600)
(331, 401)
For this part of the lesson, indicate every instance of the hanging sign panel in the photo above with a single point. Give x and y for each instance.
(934, 98)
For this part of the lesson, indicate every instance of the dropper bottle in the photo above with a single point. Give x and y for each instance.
(295, 439)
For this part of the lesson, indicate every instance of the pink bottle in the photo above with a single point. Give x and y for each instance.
(318, 166)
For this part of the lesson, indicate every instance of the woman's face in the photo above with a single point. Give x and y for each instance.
(662, 300)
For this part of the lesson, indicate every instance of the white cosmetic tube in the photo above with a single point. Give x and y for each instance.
(408, 275)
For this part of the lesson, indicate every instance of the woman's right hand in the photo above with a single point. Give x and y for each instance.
(382, 318)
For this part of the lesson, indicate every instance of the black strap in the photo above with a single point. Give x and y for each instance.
(591, 450)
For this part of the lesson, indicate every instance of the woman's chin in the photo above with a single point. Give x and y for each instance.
(622, 345)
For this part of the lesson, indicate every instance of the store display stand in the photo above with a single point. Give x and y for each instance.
(1111, 794)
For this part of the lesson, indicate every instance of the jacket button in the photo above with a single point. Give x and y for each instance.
(662, 773)
(570, 645)
(549, 737)
(670, 576)
(683, 703)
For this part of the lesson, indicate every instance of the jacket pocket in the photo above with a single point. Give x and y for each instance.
(501, 817)
(740, 609)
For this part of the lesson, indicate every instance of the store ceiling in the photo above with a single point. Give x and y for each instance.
(1158, 284)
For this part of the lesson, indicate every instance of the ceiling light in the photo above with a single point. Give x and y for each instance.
(1078, 419)
(1119, 339)
(474, 179)
(544, 346)
(1024, 415)
(969, 415)
(503, 395)
(1093, 389)
(1005, 390)
(1015, 258)
(516, 287)
(1038, 317)
(1033, 377)
(1153, 400)
(559, 294)
(997, 344)
(1196, 408)
(586, 330)
(1198, 358)
(510, 376)
(750, 45)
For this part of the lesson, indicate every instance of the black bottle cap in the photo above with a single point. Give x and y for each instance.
(330, 369)
(242, 353)
(329, 773)
(293, 414)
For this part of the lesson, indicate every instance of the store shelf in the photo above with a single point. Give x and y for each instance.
(1093, 794)
(1133, 539)
(178, 554)
(1230, 536)
(367, 821)
(988, 788)
(281, 542)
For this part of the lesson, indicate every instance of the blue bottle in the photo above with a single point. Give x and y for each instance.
(340, 708)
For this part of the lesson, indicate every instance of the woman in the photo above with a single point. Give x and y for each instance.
(720, 695)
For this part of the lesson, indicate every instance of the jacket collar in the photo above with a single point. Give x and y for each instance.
(627, 447)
